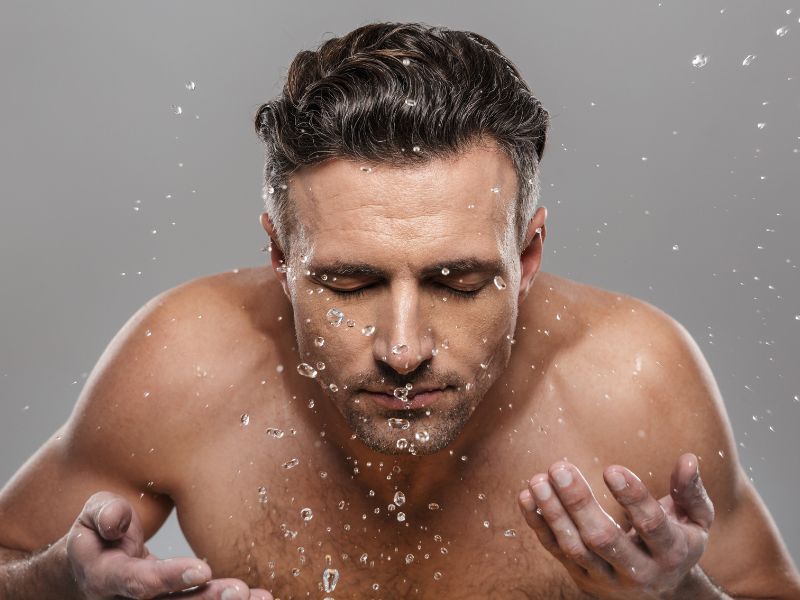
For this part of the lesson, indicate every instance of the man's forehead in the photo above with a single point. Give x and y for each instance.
(477, 184)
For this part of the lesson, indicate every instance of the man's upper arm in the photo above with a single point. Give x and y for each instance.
(745, 554)
(106, 444)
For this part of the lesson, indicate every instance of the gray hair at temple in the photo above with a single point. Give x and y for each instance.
(383, 89)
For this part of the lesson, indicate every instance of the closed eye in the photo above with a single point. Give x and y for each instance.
(358, 292)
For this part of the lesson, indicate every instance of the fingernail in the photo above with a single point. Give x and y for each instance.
(563, 477)
(616, 481)
(193, 577)
(527, 501)
(231, 593)
(542, 491)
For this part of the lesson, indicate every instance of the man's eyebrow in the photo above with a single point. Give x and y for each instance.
(456, 266)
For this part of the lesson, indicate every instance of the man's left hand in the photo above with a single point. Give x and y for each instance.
(655, 558)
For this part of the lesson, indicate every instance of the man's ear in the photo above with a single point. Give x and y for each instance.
(531, 257)
(276, 252)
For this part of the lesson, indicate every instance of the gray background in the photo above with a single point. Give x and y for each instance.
(88, 135)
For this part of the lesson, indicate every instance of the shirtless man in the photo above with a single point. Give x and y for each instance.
(381, 412)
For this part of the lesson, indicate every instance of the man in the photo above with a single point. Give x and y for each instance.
(404, 404)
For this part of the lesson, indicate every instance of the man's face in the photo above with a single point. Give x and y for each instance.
(405, 277)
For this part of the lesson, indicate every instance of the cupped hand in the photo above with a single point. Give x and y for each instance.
(653, 559)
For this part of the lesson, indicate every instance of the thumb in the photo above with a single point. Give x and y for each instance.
(689, 493)
(107, 514)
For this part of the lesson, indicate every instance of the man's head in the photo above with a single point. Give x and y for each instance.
(401, 183)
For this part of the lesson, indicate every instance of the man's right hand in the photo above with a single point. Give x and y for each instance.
(108, 558)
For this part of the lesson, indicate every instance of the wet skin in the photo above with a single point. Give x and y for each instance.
(542, 375)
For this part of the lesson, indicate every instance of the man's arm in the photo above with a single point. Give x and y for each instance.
(671, 543)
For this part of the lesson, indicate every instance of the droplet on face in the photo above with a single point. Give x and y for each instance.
(700, 61)
(306, 370)
(409, 559)
(262, 495)
(676, 247)
(401, 516)
(422, 436)
(406, 62)
(495, 190)
(399, 498)
(275, 432)
(330, 577)
(433, 506)
(437, 575)
(319, 342)
(410, 102)
(499, 283)
(368, 330)
(291, 463)
(333, 387)
(395, 423)
(245, 420)
(335, 317)
(306, 514)
(351, 323)
(366, 169)
(445, 271)
(399, 349)
(363, 558)
(401, 393)
(320, 366)
(510, 533)
(402, 444)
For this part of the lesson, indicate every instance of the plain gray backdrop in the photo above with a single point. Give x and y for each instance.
(658, 179)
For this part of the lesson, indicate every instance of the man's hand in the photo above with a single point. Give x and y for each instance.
(654, 559)
(108, 558)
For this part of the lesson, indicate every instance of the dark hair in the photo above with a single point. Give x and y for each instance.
(382, 91)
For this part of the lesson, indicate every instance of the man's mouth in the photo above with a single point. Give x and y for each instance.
(415, 398)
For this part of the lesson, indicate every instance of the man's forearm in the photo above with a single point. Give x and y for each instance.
(39, 575)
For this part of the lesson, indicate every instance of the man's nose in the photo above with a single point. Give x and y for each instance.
(403, 339)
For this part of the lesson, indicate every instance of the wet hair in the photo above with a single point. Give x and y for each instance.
(400, 94)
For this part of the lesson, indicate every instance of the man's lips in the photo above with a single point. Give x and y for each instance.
(416, 398)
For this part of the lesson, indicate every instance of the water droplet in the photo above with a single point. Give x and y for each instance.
(510, 533)
(275, 432)
(402, 444)
(499, 283)
(333, 387)
(409, 559)
(335, 317)
(368, 330)
(782, 31)
(445, 271)
(676, 247)
(410, 102)
(320, 365)
(190, 85)
(295, 571)
(486, 524)
(363, 558)
(262, 495)
(399, 349)
(399, 498)
(330, 577)
(700, 61)
(761, 125)
(721, 453)
(306, 514)
(406, 62)
(395, 423)
(401, 516)
(401, 393)
(748, 60)
(415, 149)
(148, 333)
(422, 436)
(291, 463)
(319, 342)
(176, 109)
(245, 420)
(366, 169)
(306, 370)
(433, 506)
(437, 575)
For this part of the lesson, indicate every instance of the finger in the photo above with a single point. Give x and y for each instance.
(107, 514)
(689, 493)
(646, 513)
(142, 578)
(597, 528)
(564, 529)
(536, 522)
(260, 594)
(219, 589)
